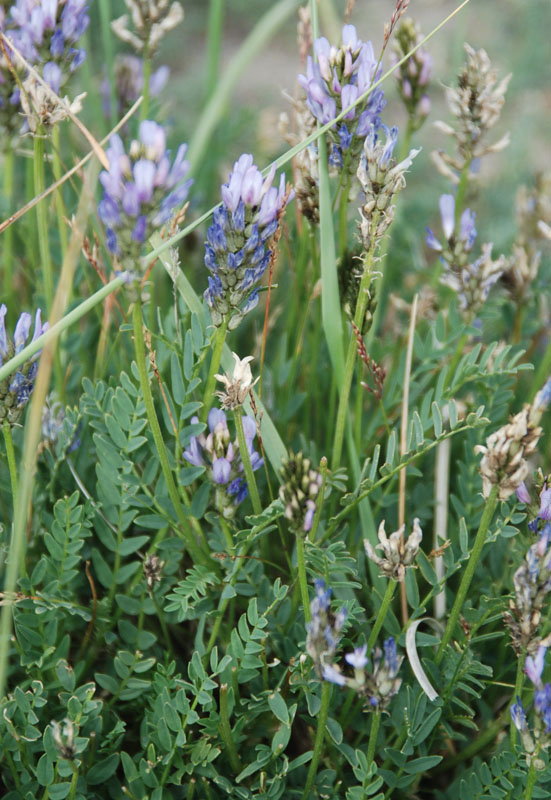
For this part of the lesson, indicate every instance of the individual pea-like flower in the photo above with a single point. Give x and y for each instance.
(141, 191)
(376, 687)
(398, 554)
(413, 75)
(64, 738)
(504, 457)
(338, 78)
(324, 628)
(299, 490)
(48, 32)
(471, 280)
(221, 457)
(240, 241)
(476, 104)
(129, 83)
(152, 20)
(16, 389)
(381, 178)
(239, 385)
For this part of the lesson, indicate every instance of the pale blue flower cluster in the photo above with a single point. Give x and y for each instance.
(129, 83)
(378, 686)
(471, 280)
(240, 241)
(47, 32)
(324, 628)
(533, 667)
(16, 389)
(142, 190)
(220, 455)
(335, 81)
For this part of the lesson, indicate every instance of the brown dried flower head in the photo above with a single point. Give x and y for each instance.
(398, 554)
(504, 459)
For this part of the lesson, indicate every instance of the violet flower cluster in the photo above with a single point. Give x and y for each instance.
(142, 190)
(220, 455)
(129, 83)
(47, 32)
(324, 628)
(16, 389)
(471, 280)
(240, 241)
(340, 76)
(539, 737)
(378, 686)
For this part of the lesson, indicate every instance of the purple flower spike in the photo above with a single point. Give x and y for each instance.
(239, 240)
(141, 191)
(334, 84)
(18, 386)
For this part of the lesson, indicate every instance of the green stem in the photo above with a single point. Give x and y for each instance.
(474, 558)
(519, 682)
(219, 339)
(42, 220)
(74, 782)
(59, 205)
(105, 16)
(375, 722)
(381, 615)
(320, 734)
(226, 731)
(361, 305)
(139, 345)
(214, 37)
(7, 254)
(302, 579)
(10, 454)
(144, 110)
(532, 780)
(461, 189)
(246, 460)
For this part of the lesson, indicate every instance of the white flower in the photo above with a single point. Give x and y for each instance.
(239, 385)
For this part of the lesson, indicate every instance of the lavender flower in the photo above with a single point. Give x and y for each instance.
(142, 190)
(239, 242)
(471, 280)
(16, 389)
(222, 459)
(324, 628)
(47, 32)
(339, 77)
(518, 715)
